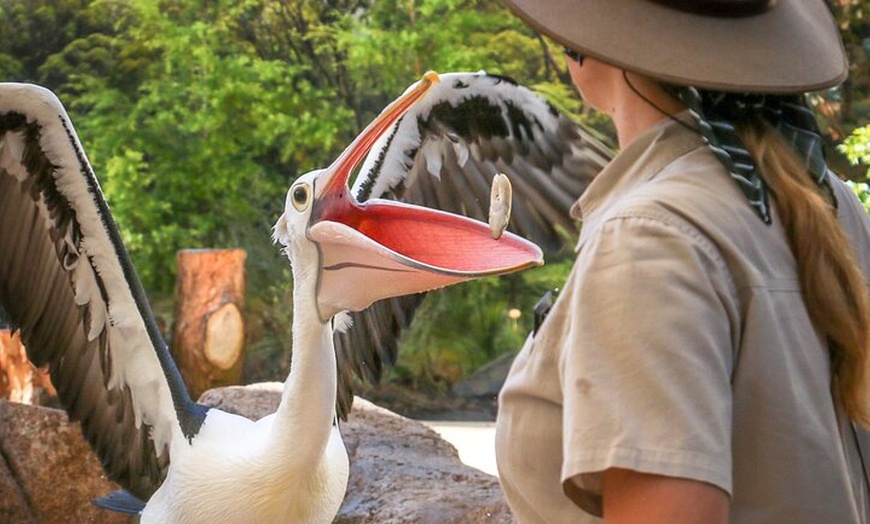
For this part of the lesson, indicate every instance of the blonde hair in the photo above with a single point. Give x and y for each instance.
(833, 285)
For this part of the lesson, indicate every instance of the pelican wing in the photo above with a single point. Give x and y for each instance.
(443, 154)
(67, 283)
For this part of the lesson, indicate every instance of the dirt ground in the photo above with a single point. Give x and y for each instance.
(431, 405)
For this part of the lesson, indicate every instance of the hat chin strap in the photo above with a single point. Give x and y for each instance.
(720, 8)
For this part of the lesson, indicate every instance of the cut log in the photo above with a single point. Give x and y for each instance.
(208, 337)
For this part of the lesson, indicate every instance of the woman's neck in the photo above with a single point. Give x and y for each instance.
(640, 104)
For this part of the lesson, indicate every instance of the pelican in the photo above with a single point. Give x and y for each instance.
(66, 281)
(446, 152)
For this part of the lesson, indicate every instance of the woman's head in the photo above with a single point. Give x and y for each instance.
(727, 45)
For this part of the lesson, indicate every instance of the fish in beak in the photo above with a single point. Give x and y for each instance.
(382, 248)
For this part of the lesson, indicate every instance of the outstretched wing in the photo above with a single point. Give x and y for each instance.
(444, 153)
(67, 283)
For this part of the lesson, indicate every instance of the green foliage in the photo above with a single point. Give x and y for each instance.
(208, 142)
(862, 189)
(396, 41)
(198, 114)
(36, 30)
(856, 147)
(466, 326)
(848, 106)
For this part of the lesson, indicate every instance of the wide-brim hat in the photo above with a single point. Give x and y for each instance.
(784, 46)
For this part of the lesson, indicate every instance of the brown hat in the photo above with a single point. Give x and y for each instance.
(766, 46)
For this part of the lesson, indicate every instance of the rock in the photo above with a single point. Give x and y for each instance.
(254, 401)
(48, 470)
(13, 504)
(403, 472)
(488, 380)
(400, 470)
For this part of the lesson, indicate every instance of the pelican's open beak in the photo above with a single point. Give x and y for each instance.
(381, 248)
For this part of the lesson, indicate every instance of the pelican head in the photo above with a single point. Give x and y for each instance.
(363, 252)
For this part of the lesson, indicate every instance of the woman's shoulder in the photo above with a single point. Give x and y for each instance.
(695, 198)
(694, 191)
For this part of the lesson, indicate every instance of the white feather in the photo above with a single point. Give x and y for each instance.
(432, 155)
(393, 147)
(342, 322)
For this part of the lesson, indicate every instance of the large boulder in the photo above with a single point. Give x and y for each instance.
(48, 473)
(400, 470)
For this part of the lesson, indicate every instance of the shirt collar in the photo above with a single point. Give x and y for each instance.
(644, 157)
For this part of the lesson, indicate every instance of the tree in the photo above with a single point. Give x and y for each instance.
(42, 29)
(852, 17)
(856, 147)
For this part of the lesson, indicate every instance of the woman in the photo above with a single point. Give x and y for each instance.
(706, 360)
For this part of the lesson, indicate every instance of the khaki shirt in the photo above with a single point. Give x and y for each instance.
(680, 346)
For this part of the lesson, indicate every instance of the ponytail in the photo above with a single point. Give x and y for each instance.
(777, 136)
(833, 285)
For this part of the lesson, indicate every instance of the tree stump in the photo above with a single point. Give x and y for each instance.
(209, 333)
(20, 381)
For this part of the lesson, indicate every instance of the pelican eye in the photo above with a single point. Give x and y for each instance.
(300, 195)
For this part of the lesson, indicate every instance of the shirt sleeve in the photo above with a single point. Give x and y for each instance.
(647, 367)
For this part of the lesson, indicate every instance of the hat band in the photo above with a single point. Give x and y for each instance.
(720, 8)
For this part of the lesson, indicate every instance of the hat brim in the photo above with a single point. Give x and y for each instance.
(793, 47)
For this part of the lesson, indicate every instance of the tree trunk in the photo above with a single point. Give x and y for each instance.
(20, 381)
(209, 333)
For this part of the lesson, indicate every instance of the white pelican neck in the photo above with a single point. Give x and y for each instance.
(305, 416)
